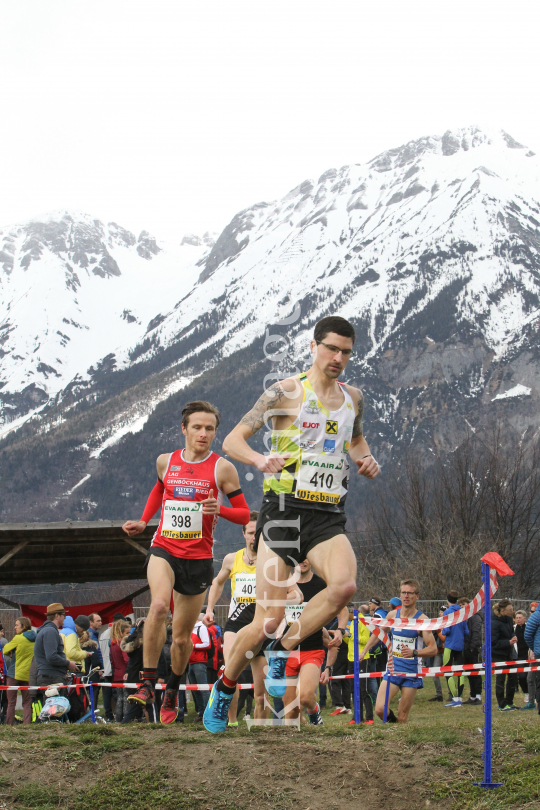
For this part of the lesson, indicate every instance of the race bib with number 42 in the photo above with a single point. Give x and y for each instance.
(399, 643)
(319, 478)
(293, 612)
(182, 520)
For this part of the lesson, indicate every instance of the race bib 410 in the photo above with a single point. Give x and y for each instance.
(182, 520)
(319, 478)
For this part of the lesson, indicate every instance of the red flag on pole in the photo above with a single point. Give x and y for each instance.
(495, 561)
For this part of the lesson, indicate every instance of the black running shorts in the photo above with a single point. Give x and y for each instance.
(191, 577)
(303, 530)
(241, 616)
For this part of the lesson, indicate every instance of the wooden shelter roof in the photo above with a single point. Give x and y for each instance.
(71, 551)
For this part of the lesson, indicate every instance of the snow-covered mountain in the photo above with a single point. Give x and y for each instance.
(74, 289)
(432, 249)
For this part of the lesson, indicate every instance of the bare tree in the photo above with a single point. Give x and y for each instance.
(436, 522)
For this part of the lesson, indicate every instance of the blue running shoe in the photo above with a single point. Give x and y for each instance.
(275, 683)
(217, 710)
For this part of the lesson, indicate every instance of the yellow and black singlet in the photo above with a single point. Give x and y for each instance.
(243, 583)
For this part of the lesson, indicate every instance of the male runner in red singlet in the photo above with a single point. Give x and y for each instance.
(317, 424)
(180, 558)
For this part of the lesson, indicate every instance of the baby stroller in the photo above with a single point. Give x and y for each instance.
(73, 708)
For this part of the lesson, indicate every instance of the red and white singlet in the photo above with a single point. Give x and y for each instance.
(184, 531)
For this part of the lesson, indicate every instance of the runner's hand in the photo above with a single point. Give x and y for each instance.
(325, 677)
(272, 463)
(367, 466)
(210, 505)
(132, 527)
(337, 638)
(406, 652)
(208, 617)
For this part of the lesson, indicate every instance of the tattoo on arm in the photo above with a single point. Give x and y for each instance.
(255, 418)
(358, 428)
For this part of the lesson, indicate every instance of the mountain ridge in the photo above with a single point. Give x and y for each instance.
(430, 249)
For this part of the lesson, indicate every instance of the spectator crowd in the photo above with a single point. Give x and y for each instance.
(64, 649)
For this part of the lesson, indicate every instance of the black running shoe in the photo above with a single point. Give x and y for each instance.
(315, 719)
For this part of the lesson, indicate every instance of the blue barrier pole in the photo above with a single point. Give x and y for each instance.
(488, 685)
(357, 704)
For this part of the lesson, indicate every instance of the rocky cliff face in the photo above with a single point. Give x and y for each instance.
(431, 249)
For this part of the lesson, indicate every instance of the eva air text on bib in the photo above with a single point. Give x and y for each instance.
(319, 478)
(182, 520)
(244, 590)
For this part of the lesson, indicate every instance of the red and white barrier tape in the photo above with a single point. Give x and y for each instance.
(498, 667)
(444, 621)
(195, 687)
(377, 625)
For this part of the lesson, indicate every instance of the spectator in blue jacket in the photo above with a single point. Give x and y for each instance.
(454, 643)
(532, 638)
(93, 632)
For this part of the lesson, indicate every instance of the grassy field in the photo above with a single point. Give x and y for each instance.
(430, 763)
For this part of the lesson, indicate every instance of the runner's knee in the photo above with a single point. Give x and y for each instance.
(183, 641)
(159, 609)
(341, 593)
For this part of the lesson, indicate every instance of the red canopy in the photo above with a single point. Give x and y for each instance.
(36, 613)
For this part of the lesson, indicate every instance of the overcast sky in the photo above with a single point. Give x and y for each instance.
(173, 116)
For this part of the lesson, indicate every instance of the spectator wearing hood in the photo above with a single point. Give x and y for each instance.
(72, 631)
(454, 644)
(51, 662)
(472, 653)
(532, 638)
(21, 648)
(503, 639)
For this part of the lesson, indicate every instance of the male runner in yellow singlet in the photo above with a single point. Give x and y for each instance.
(240, 567)
(317, 423)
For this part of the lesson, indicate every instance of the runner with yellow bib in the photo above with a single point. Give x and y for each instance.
(240, 568)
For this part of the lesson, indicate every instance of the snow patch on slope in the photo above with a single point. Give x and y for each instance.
(134, 419)
(516, 391)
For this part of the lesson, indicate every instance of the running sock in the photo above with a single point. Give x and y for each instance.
(149, 674)
(391, 717)
(174, 681)
(317, 709)
(226, 685)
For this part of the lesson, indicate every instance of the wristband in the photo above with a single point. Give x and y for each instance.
(415, 653)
